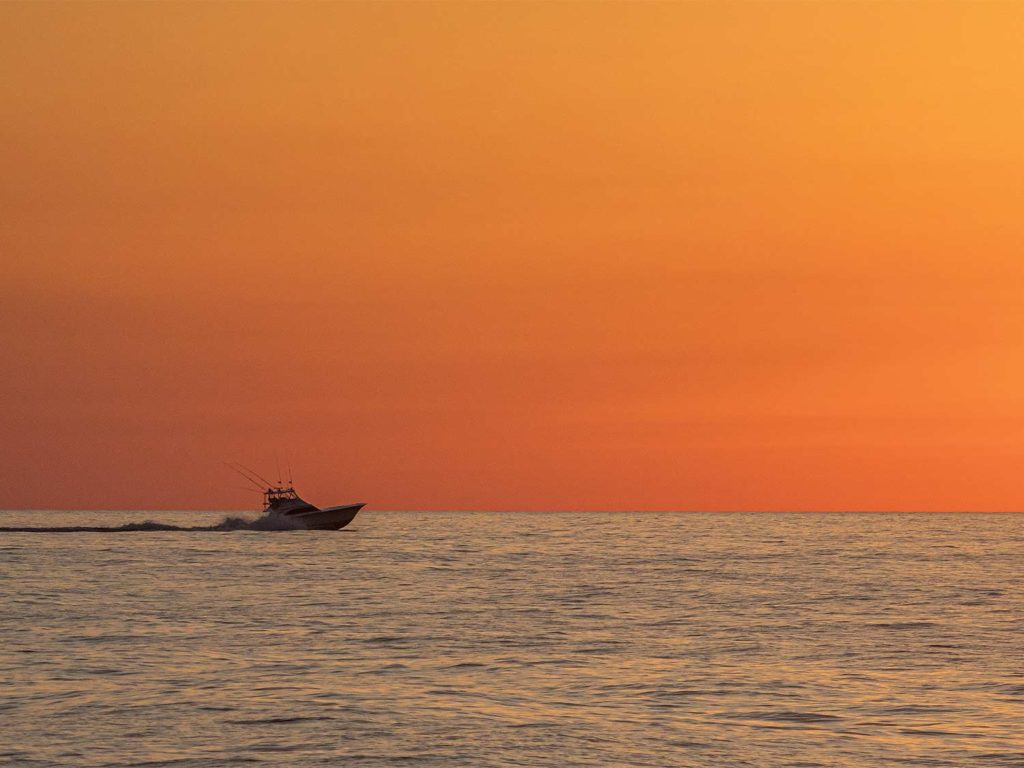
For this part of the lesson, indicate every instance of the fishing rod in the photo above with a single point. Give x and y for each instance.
(256, 474)
(246, 474)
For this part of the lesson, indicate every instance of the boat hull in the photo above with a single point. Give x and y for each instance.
(329, 519)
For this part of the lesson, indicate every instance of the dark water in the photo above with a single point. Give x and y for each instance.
(435, 639)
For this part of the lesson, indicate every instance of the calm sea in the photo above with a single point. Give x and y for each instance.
(518, 639)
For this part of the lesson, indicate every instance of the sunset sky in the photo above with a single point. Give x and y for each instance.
(764, 255)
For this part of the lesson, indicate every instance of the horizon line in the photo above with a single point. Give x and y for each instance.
(566, 511)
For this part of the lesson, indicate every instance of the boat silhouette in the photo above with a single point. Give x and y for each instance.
(281, 503)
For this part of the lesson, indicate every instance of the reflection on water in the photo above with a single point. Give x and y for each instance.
(516, 639)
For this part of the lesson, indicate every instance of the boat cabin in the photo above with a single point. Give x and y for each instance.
(284, 500)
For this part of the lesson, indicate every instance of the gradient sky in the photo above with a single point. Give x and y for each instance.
(514, 256)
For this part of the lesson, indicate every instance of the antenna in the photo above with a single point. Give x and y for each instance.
(290, 483)
(277, 460)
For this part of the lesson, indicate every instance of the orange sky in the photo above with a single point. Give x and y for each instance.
(514, 256)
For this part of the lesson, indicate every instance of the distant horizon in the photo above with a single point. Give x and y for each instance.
(539, 511)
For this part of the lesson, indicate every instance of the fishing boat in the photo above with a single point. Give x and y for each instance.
(282, 504)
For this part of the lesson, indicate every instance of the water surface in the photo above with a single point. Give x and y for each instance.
(517, 639)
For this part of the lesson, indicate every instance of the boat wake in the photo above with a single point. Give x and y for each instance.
(265, 523)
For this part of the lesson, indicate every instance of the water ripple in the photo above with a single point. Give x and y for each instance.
(491, 641)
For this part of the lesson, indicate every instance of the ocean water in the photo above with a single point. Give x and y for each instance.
(517, 639)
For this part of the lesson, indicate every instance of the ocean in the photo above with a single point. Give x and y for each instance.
(515, 639)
